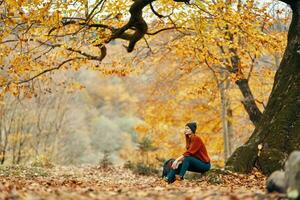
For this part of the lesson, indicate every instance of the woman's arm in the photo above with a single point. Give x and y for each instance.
(180, 158)
(177, 162)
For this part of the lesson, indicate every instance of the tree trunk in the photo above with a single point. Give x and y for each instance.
(225, 107)
(230, 127)
(278, 132)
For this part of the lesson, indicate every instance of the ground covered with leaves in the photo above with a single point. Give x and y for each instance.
(91, 182)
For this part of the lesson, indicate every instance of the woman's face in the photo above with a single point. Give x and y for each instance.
(187, 131)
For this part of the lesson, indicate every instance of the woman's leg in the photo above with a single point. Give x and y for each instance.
(171, 175)
(191, 163)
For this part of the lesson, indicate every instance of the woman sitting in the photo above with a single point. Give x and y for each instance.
(195, 158)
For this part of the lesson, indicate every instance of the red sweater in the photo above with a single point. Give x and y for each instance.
(197, 149)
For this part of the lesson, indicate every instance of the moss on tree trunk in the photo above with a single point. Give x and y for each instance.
(278, 131)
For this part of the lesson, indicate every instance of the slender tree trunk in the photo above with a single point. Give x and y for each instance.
(225, 117)
(3, 151)
(230, 127)
(86, 9)
(278, 132)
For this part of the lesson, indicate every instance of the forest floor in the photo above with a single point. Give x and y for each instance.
(118, 183)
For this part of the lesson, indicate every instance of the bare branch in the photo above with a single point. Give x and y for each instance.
(156, 13)
(91, 13)
(159, 15)
(84, 24)
(253, 60)
(40, 73)
(161, 30)
(48, 70)
(261, 102)
(8, 41)
(88, 56)
(148, 45)
(43, 53)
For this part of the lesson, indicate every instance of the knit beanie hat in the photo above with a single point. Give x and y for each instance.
(192, 126)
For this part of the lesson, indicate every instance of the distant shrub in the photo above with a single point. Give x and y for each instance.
(105, 162)
(42, 161)
(141, 168)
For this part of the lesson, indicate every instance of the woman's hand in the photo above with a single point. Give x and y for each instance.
(177, 162)
(174, 164)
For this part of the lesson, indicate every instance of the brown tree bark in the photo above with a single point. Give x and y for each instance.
(278, 132)
(249, 101)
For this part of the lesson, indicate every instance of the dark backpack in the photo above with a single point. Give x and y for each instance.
(167, 168)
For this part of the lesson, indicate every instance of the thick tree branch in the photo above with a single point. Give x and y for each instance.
(249, 102)
(137, 22)
(155, 12)
(159, 15)
(88, 56)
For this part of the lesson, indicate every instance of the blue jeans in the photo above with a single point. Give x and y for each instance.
(192, 164)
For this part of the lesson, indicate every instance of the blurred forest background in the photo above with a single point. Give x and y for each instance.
(132, 107)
